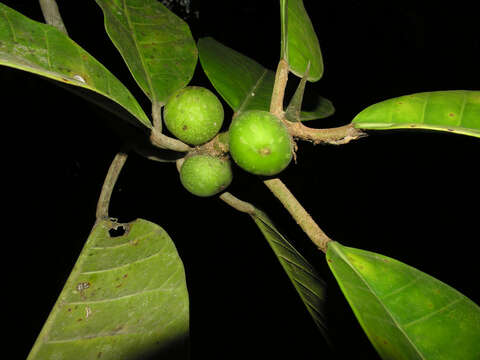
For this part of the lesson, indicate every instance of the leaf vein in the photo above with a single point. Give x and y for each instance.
(121, 266)
(433, 313)
(252, 91)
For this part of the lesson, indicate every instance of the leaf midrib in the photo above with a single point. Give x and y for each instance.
(252, 90)
(140, 55)
(345, 259)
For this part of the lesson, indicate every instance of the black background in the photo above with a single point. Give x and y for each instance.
(410, 195)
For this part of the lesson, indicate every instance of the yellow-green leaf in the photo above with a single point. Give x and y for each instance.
(42, 49)
(126, 298)
(456, 111)
(405, 313)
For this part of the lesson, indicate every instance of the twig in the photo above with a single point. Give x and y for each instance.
(165, 142)
(281, 78)
(335, 136)
(237, 204)
(276, 186)
(157, 115)
(297, 211)
(109, 183)
(52, 15)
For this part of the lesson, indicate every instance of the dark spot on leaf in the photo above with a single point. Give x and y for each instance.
(79, 319)
(399, 103)
(118, 328)
(184, 127)
(125, 276)
(69, 309)
(385, 342)
(330, 260)
(451, 114)
(83, 286)
(99, 355)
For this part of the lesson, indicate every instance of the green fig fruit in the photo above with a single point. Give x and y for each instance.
(205, 175)
(194, 115)
(260, 143)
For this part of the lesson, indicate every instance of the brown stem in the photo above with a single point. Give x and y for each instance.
(281, 78)
(52, 14)
(237, 204)
(336, 136)
(157, 115)
(109, 183)
(166, 142)
(297, 211)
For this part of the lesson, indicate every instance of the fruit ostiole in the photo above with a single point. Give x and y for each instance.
(260, 143)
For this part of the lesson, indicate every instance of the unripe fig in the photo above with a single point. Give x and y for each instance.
(193, 114)
(205, 175)
(260, 143)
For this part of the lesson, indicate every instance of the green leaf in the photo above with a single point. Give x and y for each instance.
(405, 313)
(42, 49)
(284, 31)
(156, 45)
(126, 298)
(245, 84)
(304, 277)
(456, 111)
(242, 82)
(320, 107)
(300, 41)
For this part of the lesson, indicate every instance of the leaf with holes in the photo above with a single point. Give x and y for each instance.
(126, 298)
(304, 277)
(456, 111)
(42, 49)
(245, 84)
(156, 45)
(300, 44)
(405, 313)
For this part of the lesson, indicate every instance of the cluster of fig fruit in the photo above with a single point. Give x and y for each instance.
(258, 141)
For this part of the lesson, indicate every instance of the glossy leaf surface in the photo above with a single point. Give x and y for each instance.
(244, 83)
(456, 111)
(126, 298)
(405, 313)
(156, 45)
(304, 277)
(319, 108)
(42, 49)
(300, 44)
